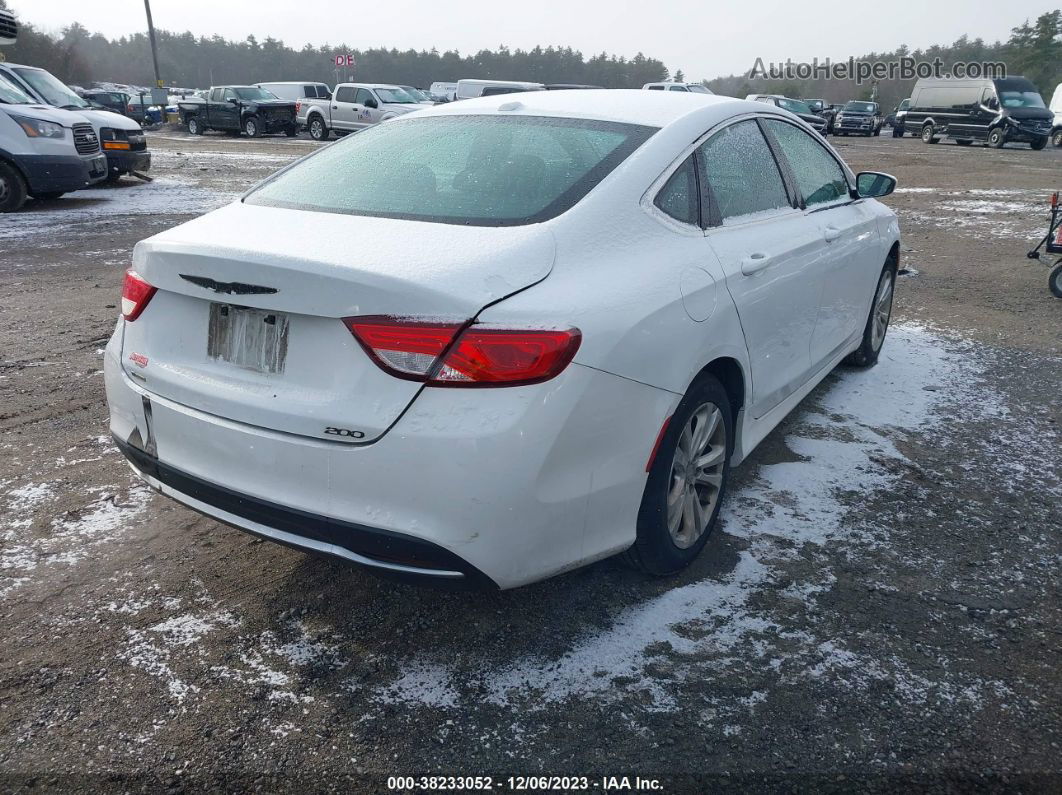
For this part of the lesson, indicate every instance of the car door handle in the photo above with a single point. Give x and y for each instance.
(831, 233)
(754, 263)
(335, 107)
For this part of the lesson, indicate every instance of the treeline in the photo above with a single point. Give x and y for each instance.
(1033, 50)
(80, 57)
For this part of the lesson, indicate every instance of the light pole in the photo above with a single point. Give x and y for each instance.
(154, 49)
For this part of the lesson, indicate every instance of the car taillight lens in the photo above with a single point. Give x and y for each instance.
(298, 107)
(135, 295)
(480, 356)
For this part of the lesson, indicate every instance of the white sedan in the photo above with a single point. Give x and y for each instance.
(497, 339)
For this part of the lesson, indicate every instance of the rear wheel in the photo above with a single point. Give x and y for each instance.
(897, 132)
(996, 138)
(928, 135)
(687, 481)
(12, 189)
(1039, 143)
(318, 131)
(1056, 138)
(866, 355)
(1054, 280)
(250, 127)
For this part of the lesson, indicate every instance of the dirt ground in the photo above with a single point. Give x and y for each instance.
(879, 607)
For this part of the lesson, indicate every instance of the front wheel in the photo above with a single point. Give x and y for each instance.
(866, 355)
(1038, 143)
(897, 132)
(1054, 280)
(250, 127)
(928, 136)
(996, 139)
(686, 481)
(1056, 138)
(12, 189)
(318, 131)
(194, 127)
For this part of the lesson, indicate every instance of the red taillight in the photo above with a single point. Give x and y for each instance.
(135, 295)
(298, 107)
(481, 355)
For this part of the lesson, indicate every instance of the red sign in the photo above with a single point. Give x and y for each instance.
(344, 60)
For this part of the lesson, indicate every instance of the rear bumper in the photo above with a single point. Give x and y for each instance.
(381, 550)
(500, 486)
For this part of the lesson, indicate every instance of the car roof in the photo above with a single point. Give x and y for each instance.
(632, 106)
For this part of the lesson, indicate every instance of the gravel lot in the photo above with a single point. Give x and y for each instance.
(879, 607)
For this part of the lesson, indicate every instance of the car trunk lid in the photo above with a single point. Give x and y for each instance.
(246, 321)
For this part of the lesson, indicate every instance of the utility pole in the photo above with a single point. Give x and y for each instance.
(154, 49)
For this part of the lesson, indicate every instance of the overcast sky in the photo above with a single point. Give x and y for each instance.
(704, 39)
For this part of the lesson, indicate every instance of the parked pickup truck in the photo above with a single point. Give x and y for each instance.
(353, 106)
(235, 109)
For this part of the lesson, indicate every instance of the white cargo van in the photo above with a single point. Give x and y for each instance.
(467, 89)
(44, 152)
(122, 138)
(447, 91)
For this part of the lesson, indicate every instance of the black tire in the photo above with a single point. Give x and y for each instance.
(655, 550)
(114, 176)
(195, 127)
(928, 136)
(1039, 144)
(317, 128)
(897, 133)
(877, 132)
(963, 141)
(1054, 280)
(12, 188)
(996, 139)
(251, 128)
(866, 355)
(291, 132)
(1056, 138)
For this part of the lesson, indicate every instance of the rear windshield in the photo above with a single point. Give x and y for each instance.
(474, 170)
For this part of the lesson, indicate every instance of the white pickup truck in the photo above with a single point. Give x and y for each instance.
(353, 106)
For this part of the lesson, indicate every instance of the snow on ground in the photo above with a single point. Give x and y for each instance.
(163, 196)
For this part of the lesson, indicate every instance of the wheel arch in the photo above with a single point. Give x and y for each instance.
(11, 161)
(731, 374)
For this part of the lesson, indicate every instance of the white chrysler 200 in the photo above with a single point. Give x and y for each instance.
(497, 339)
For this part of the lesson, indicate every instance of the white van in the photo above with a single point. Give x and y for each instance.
(44, 152)
(8, 27)
(1056, 108)
(293, 91)
(468, 89)
(122, 138)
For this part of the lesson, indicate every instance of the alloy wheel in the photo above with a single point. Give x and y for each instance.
(696, 475)
(882, 311)
(5, 189)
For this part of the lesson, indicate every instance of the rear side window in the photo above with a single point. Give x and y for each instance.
(656, 88)
(310, 92)
(819, 177)
(677, 88)
(678, 198)
(741, 172)
(483, 170)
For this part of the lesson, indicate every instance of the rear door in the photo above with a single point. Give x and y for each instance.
(345, 109)
(848, 269)
(771, 256)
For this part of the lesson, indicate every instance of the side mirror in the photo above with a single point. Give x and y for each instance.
(371, 103)
(234, 100)
(874, 184)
